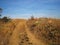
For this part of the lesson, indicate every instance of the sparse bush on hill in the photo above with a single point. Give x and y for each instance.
(5, 19)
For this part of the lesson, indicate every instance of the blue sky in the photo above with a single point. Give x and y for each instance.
(26, 8)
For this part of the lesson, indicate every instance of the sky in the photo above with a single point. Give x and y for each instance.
(27, 8)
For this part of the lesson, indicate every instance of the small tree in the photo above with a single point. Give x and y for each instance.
(32, 17)
(5, 19)
(0, 15)
(0, 12)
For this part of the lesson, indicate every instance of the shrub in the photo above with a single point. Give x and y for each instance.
(5, 19)
(32, 17)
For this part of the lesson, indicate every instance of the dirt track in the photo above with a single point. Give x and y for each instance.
(15, 40)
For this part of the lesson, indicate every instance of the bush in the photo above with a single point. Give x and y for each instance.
(32, 17)
(5, 19)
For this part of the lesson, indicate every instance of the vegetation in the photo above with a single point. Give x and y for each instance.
(0, 12)
(45, 29)
(5, 19)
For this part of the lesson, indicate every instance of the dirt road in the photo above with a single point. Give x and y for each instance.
(14, 39)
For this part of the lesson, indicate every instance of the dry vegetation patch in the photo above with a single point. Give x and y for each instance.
(46, 29)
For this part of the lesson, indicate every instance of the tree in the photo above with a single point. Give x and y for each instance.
(32, 17)
(5, 19)
(0, 15)
(0, 11)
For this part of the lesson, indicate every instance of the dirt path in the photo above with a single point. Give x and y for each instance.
(14, 40)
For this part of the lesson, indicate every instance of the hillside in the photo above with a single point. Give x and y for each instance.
(41, 31)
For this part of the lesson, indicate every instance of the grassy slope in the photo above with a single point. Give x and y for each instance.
(28, 32)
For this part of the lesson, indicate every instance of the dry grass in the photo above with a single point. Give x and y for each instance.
(46, 29)
(42, 31)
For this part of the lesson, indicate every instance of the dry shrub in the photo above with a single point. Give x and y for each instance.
(46, 29)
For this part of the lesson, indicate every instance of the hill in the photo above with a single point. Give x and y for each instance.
(41, 31)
